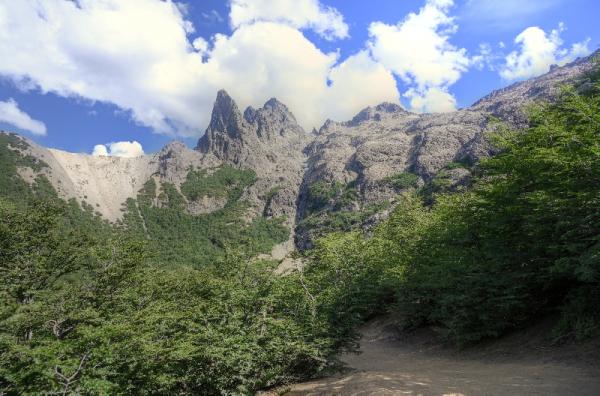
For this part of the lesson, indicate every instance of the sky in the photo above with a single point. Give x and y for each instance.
(125, 77)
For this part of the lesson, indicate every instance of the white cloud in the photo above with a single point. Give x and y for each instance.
(100, 150)
(419, 51)
(133, 53)
(326, 21)
(11, 114)
(200, 45)
(356, 83)
(484, 57)
(433, 100)
(265, 59)
(119, 149)
(136, 54)
(538, 51)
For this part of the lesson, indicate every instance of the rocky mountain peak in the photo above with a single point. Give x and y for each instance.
(173, 147)
(509, 103)
(275, 105)
(173, 161)
(235, 137)
(226, 116)
(227, 125)
(325, 127)
(387, 107)
(250, 114)
(376, 113)
(275, 120)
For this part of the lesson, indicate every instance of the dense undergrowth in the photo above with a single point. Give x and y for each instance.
(171, 303)
(522, 242)
(165, 303)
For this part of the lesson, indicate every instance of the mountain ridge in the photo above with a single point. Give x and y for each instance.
(366, 152)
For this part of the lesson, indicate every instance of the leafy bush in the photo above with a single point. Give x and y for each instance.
(93, 317)
(326, 222)
(225, 182)
(11, 184)
(331, 196)
(402, 180)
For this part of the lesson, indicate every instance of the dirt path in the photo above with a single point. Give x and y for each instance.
(418, 366)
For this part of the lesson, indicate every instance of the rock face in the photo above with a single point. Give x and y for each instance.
(508, 103)
(376, 144)
(237, 139)
(385, 140)
(367, 150)
(267, 140)
(107, 182)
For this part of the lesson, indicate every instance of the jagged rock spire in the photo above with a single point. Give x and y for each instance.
(230, 133)
(226, 131)
(226, 117)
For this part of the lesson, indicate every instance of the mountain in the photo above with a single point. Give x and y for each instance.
(349, 168)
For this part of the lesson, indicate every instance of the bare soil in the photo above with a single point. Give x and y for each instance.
(524, 363)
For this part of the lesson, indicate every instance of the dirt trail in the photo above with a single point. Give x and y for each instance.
(420, 366)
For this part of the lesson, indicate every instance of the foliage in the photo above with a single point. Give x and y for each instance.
(179, 237)
(524, 241)
(402, 180)
(436, 186)
(334, 207)
(11, 184)
(269, 198)
(93, 317)
(87, 308)
(326, 222)
(225, 182)
(331, 196)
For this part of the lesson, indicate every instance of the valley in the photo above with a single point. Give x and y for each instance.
(266, 256)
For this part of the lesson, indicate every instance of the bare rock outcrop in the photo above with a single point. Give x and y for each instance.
(267, 140)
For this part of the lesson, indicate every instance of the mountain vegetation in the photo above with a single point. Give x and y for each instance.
(521, 242)
(172, 302)
(178, 237)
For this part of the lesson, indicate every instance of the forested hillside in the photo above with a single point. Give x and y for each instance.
(165, 302)
(168, 302)
(521, 242)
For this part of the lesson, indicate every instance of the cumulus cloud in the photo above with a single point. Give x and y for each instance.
(538, 51)
(10, 113)
(267, 59)
(356, 83)
(326, 21)
(119, 149)
(419, 51)
(201, 45)
(134, 54)
(432, 100)
(141, 56)
(100, 150)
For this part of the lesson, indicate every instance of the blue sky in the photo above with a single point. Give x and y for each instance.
(90, 72)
